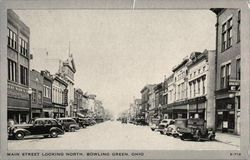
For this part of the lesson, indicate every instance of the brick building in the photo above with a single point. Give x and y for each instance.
(59, 96)
(18, 60)
(228, 73)
(36, 83)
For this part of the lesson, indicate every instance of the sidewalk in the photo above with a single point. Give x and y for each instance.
(230, 139)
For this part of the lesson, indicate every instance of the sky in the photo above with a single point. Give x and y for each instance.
(117, 52)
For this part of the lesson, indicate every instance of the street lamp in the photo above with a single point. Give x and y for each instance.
(30, 93)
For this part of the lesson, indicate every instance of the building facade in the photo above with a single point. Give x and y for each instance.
(36, 83)
(47, 96)
(67, 70)
(147, 102)
(79, 99)
(228, 75)
(18, 60)
(179, 105)
(201, 86)
(59, 96)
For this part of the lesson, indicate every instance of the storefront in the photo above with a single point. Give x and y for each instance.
(36, 113)
(197, 105)
(225, 115)
(167, 112)
(180, 109)
(18, 103)
(48, 112)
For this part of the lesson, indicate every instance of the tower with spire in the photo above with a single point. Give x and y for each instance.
(67, 70)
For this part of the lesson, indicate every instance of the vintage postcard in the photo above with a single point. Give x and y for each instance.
(124, 79)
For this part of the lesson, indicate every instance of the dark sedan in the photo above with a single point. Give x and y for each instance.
(41, 126)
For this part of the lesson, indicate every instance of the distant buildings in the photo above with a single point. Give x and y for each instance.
(204, 84)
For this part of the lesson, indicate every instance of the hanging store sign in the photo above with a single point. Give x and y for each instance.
(234, 85)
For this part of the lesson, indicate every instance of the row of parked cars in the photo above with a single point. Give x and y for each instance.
(48, 127)
(195, 128)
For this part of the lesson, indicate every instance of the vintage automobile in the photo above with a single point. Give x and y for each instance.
(154, 124)
(41, 126)
(124, 120)
(80, 122)
(69, 124)
(196, 130)
(173, 129)
(164, 124)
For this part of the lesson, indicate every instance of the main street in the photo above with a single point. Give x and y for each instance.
(114, 135)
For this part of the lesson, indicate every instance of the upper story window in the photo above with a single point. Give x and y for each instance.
(47, 91)
(11, 70)
(23, 75)
(227, 35)
(238, 27)
(39, 97)
(23, 46)
(225, 75)
(34, 96)
(238, 69)
(12, 39)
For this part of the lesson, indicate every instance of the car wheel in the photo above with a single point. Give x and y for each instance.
(152, 129)
(182, 138)
(198, 136)
(161, 132)
(54, 134)
(174, 135)
(211, 138)
(19, 135)
(167, 134)
(72, 129)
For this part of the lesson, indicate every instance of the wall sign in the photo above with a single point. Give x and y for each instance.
(17, 91)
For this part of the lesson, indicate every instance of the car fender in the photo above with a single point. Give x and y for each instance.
(57, 129)
(26, 132)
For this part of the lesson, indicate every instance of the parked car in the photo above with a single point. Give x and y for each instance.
(92, 122)
(69, 124)
(164, 124)
(80, 122)
(124, 120)
(197, 130)
(41, 126)
(154, 124)
(173, 129)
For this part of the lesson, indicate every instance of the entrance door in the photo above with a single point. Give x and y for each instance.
(225, 117)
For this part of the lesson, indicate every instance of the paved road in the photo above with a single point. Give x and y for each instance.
(114, 135)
